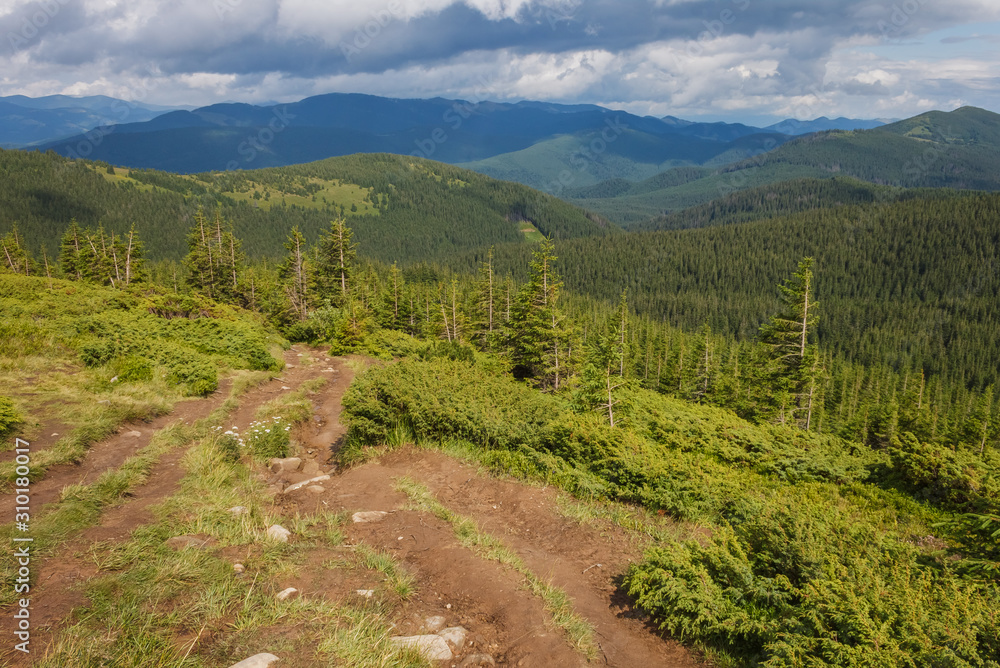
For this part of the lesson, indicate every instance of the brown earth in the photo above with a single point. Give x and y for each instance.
(503, 618)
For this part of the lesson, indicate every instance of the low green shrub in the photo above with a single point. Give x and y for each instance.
(9, 417)
(197, 377)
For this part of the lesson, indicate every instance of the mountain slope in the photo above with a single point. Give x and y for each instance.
(401, 208)
(958, 149)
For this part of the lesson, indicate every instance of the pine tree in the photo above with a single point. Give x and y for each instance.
(604, 385)
(15, 256)
(335, 257)
(537, 324)
(294, 273)
(795, 361)
(71, 252)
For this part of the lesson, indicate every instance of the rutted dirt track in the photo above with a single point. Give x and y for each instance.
(504, 619)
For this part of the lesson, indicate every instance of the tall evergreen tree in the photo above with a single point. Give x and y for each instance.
(795, 359)
(15, 256)
(294, 273)
(537, 322)
(335, 258)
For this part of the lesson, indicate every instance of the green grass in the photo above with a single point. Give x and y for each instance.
(559, 605)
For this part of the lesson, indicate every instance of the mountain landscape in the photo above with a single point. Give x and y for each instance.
(417, 382)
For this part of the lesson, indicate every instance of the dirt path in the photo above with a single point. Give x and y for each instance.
(504, 619)
(58, 589)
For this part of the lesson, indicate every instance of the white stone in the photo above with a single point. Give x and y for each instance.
(286, 465)
(305, 483)
(287, 594)
(279, 533)
(256, 661)
(369, 517)
(134, 434)
(432, 648)
(367, 593)
(455, 636)
(435, 624)
(239, 510)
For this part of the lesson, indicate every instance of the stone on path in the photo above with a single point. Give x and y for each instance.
(305, 483)
(315, 489)
(369, 517)
(367, 593)
(256, 661)
(477, 660)
(279, 533)
(435, 624)
(286, 465)
(287, 594)
(311, 467)
(455, 636)
(134, 434)
(432, 648)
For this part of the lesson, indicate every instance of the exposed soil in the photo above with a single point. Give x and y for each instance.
(503, 618)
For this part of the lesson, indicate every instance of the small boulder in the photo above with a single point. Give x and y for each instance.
(239, 569)
(455, 636)
(256, 661)
(316, 489)
(305, 483)
(432, 648)
(279, 533)
(477, 660)
(369, 517)
(435, 624)
(286, 465)
(134, 434)
(287, 594)
(311, 467)
(367, 593)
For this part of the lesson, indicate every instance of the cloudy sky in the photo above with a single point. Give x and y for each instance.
(746, 60)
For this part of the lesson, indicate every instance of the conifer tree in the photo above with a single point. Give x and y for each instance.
(71, 252)
(335, 257)
(795, 360)
(604, 384)
(15, 256)
(294, 273)
(537, 324)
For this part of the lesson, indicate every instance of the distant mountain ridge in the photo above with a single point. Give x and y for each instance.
(27, 121)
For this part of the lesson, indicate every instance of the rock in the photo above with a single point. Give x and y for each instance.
(311, 467)
(369, 517)
(279, 533)
(183, 542)
(115, 379)
(455, 636)
(315, 489)
(287, 594)
(367, 593)
(305, 483)
(239, 568)
(285, 387)
(56, 434)
(286, 465)
(256, 661)
(134, 434)
(477, 660)
(435, 624)
(273, 491)
(239, 510)
(432, 648)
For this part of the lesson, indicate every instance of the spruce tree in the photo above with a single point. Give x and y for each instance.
(335, 257)
(294, 273)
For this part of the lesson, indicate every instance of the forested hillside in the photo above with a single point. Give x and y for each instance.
(402, 208)
(910, 283)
